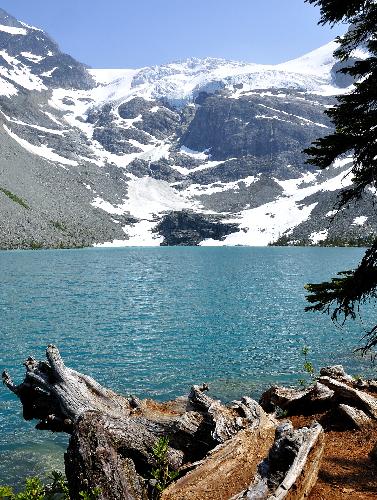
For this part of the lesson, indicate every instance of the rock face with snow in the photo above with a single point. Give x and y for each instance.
(270, 127)
(32, 52)
(197, 152)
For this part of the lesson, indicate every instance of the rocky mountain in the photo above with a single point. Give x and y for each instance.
(196, 152)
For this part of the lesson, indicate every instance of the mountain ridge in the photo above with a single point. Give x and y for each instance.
(209, 150)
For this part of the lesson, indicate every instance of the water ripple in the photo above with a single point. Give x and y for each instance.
(151, 322)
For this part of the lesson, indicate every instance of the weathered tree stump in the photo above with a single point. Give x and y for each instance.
(291, 468)
(112, 436)
(350, 396)
(313, 399)
(215, 447)
(230, 466)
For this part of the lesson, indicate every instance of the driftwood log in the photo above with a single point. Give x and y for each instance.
(357, 419)
(217, 449)
(112, 436)
(316, 398)
(288, 475)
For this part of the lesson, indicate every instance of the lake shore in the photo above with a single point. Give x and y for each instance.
(284, 443)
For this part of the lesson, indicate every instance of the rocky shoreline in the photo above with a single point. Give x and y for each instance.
(276, 448)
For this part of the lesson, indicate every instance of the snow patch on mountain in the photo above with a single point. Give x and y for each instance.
(32, 57)
(157, 152)
(360, 221)
(218, 187)
(12, 30)
(42, 151)
(6, 88)
(105, 76)
(148, 197)
(198, 155)
(318, 236)
(139, 234)
(30, 27)
(113, 84)
(263, 225)
(204, 166)
(20, 74)
(36, 127)
(318, 62)
(49, 73)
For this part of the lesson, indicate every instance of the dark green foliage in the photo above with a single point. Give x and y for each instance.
(35, 490)
(308, 367)
(335, 11)
(355, 120)
(56, 489)
(360, 241)
(355, 116)
(162, 474)
(91, 495)
(280, 413)
(35, 245)
(365, 241)
(58, 225)
(14, 198)
(342, 295)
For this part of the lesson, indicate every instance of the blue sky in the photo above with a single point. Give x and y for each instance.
(135, 33)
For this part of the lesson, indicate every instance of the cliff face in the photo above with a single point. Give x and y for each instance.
(185, 228)
(267, 127)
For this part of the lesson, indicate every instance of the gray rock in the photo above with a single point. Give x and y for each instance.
(135, 107)
(264, 190)
(160, 170)
(254, 126)
(189, 229)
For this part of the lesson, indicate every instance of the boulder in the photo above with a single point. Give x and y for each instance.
(337, 372)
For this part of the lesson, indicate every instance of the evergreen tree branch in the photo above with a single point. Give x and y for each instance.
(341, 296)
(355, 121)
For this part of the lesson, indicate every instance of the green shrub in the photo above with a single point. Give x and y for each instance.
(91, 495)
(14, 198)
(55, 490)
(6, 492)
(308, 367)
(58, 225)
(35, 245)
(162, 474)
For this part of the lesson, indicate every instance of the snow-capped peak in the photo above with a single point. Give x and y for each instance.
(317, 62)
(181, 82)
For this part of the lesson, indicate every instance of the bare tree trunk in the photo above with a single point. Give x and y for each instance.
(112, 436)
(221, 452)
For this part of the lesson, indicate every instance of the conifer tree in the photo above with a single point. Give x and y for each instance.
(355, 120)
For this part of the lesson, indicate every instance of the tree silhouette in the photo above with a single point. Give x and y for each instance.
(355, 120)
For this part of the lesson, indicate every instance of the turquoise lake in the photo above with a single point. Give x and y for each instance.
(154, 321)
